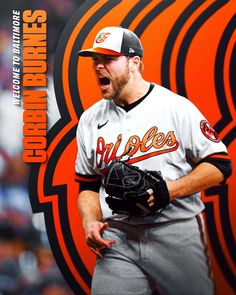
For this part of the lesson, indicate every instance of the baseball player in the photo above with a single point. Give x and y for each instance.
(144, 155)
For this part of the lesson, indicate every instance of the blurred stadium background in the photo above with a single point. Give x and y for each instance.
(27, 266)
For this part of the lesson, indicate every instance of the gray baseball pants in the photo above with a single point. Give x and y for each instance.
(170, 258)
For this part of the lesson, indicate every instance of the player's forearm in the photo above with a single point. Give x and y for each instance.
(89, 206)
(202, 177)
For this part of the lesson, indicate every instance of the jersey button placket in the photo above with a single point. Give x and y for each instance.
(128, 117)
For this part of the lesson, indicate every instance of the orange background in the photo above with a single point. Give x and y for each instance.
(197, 72)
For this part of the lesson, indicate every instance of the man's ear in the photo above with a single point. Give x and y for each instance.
(135, 63)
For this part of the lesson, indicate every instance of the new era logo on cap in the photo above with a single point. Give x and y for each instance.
(115, 41)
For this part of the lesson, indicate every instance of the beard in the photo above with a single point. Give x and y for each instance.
(117, 86)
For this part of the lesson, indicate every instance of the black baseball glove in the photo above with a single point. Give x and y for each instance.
(127, 186)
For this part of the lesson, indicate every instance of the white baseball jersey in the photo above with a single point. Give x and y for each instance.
(164, 132)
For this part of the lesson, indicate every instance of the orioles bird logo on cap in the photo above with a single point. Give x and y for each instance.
(102, 37)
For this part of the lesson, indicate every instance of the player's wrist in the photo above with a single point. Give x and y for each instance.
(171, 189)
(160, 193)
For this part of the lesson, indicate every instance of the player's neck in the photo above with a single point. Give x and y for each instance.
(133, 92)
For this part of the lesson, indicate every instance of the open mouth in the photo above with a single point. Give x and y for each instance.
(104, 81)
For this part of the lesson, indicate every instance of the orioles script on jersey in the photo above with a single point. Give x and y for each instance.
(34, 76)
(163, 143)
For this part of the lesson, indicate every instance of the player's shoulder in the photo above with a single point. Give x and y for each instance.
(96, 110)
(167, 97)
(165, 93)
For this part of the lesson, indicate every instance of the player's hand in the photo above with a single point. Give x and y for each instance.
(93, 234)
(151, 200)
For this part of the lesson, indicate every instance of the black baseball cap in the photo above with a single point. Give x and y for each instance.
(115, 41)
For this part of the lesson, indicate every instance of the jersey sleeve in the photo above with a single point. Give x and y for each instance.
(198, 137)
(222, 162)
(84, 172)
(88, 182)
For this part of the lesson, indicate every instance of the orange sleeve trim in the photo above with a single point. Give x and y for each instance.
(86, 178)
(219, 156)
